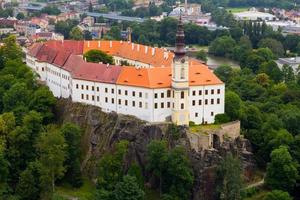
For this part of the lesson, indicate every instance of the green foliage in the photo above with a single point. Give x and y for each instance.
(51, 146)
(111, 167)
(128, 189)
(172, 168)
(72, 135)
(97, 56)
(275, 46)
(278, 195)
(76, 33)
(229, 179)
(202, 55)
(232, 105)
(51, 10)
(20, 16)
(282, 170)
(221, 118)
(222, 46)
(65, 27)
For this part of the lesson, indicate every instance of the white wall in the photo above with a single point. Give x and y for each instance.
(202, 112)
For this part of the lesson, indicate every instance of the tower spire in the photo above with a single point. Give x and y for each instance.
(179, 46)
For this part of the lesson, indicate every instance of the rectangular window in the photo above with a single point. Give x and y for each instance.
(97, 89)
(93, 97)
(206, 101)
(162, 95)
(162, 104)
(212, 113)
(82, 96)
(200, 92)
(206, 92)
(194, 93)
(119, 102)
(140, 94)
(218, 101)
(76, 86)
(106, 99)
(119, 91)
(82, 87)
(98, 98)
(196, 114)
(169, 104)
(200, 102)
(112, 100)
(193, 102)
(155, 105)
(212, 101)
(126, 92)
(140, 104)
(106, 90)
(126, 102)
(133, 103)
(87, 97)
(212, 92)
(218, 91)
(155, 95)
(182, 95)
(87, 87)
(133, 93)
(182, 106)
(169, 93)
(112, 91)
(93, 88)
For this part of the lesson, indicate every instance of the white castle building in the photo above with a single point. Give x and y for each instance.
(158, 85)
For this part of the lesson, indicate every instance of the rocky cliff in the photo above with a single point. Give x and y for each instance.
(102, 130)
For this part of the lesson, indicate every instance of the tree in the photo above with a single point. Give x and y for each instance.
(28, 187)
(51, 10)
(17, 95)
(275, 46)
(51, 146)
(272, 69)
(115, 33)
(288, 73)
(10, 50)
(224, 72)
(229, 181)
(43, 102)
(157, 156)
(278, 195)
(222, 46)
(111, 167)
(202, 55)
(253, 62)
(76, 34)
(72, 135)
(20, 16)
(97, 56)
(128, 189)
(282, 170)
(232, 105)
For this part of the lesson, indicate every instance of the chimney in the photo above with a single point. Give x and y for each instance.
(146, 49)
(110, 44)
(153, 51)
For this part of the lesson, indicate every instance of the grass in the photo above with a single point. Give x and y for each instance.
(237, 10)
(85, 192)
(203, 128)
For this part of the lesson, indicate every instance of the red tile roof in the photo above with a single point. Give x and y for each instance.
(92, 71)
(63, 54)
(34, 49)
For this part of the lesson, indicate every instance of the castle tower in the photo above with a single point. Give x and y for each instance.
(180, 80)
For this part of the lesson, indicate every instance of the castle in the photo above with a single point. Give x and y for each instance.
(157, 86)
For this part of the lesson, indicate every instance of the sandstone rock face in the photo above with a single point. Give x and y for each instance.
(103, 130)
